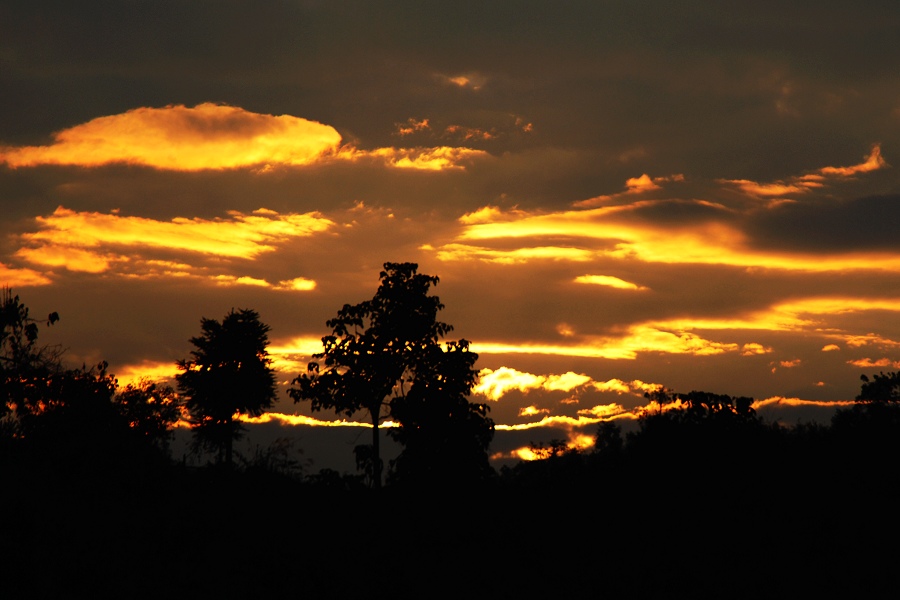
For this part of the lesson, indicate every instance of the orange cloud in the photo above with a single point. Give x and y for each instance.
(469, 133)
(609, 281)
(873, 162)
(412, 126)
(530, 411)
(602, 411)
(804, 183)
(640, 338)
(496, 384)
(830, 347)
(517, 237)
(285, 419)
(422, 159)
(214, 136)
(472, 81)
(301, 284)
(767, 189)
(91, 242)
(752, 349)
(147, 369)
(782, 401)
(15, 278)
(868, 363)
(207, 136)
(633, 186)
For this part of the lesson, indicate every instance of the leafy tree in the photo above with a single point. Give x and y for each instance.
(23, 364)
(608, 439)
(150, 410)
(229, 375)
(881, 388)
(445, 437)
(384, 357)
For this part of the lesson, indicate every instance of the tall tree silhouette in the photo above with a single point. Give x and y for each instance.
(23, 363)
(229, 375)
(384, 355)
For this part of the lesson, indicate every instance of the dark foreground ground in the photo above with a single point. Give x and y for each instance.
(777, 531)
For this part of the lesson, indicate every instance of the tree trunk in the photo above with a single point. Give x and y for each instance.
(376, 449)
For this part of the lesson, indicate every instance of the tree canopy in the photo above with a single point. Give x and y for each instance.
(384, 357)
(229, 375)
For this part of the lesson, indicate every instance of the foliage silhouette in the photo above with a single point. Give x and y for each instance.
(445, 437)
(383, 358)
(229, 375)
(881, 388)
(23, 364)
(150, 409)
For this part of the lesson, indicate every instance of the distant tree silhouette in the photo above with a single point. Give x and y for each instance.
(229, 375)
(884, 387)
(608, 439)
(384, 357)
(150, 409)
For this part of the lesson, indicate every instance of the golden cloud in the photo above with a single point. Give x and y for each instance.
(530, 411)
(147, 369)
(16, 278)
(93, 242)
(753, 349)
(783, 401)
(603, 411)
(640, 338)
(421, 159)
(472, 81)
(411, 126)
(633, 186)
(804, 183)
(830, 347)
(490, 235)
(214, 136)
(873, 162)
(868, 363)
(176, 137)
(608, 281)
(294, 420)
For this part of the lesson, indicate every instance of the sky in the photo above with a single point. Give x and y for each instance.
(616, 196)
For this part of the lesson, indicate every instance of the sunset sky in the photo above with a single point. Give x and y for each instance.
(616, 196)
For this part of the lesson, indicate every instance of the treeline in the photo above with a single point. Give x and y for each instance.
(702, 443)
(384, 359)
(703, 496)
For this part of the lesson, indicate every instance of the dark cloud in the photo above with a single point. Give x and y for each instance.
(830, 226)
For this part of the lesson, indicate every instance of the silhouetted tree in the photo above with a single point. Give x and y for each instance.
(384, 356)
(445, 437)
(881, 388)
(608, 439)
(24, 365)
(229, 375)
(150, 409)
